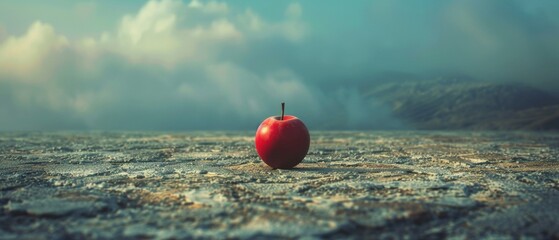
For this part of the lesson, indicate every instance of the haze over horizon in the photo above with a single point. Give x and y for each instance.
(227, 65)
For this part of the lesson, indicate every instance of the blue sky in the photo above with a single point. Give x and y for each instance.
(196, 65)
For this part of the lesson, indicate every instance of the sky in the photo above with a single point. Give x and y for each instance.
(227, 65)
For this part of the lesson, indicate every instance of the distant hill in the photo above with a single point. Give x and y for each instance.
(467, 104)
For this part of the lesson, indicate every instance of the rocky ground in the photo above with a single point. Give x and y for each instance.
(212, 185)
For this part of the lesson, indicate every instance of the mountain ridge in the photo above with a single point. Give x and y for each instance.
(446, 104)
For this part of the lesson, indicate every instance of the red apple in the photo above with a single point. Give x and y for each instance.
(282, 141)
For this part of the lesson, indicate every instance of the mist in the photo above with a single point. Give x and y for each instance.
(202, 65)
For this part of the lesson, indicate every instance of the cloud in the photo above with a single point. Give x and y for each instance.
(158, 34)
(165, 67)
(175, 65)
(500, 40)
(210, 7)
(492, 41)
(27, 57)
(293, 28)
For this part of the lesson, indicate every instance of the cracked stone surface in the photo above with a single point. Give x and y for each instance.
(467, 185)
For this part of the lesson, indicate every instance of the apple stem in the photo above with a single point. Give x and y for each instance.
(282, 110)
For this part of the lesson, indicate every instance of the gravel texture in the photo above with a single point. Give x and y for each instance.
(465, 185)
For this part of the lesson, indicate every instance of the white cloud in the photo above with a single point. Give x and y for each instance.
(209, 7)
(153, 18)
(252, 21)
(292, 28)
(253, 94)
(206, 64)
(170, 65)
(294, 10)
(150, 35)
(28, 57)
(159, 34)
